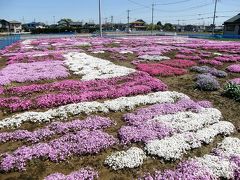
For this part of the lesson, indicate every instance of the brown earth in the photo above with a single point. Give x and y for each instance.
(38, 169)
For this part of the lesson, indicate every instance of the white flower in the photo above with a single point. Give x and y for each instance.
(190, 121)
(153, 58)
(174, 147)
(230, 146)
(125, 52)
(132, 158)
(219, 166)
(90, 67)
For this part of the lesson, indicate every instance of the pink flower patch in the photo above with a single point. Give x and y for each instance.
(160, 69)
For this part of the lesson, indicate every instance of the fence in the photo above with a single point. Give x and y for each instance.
(215, 36)
(8, 40)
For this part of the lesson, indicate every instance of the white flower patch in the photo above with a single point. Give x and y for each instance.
(153, 58)
(94, 68)
(129, 103)
(207, 134)
(119, 104)
(126, 52)
(98, 52)
(219, 166)
(174, 147)
(82, 44)
(217, 54)
(168, 148)
(190, 121)
(230, 146)
(132, 158)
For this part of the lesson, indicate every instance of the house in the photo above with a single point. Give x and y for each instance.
(33, 25)
(138, 25)
(15, 26)
(76, 24)
(4, 26)
(232, 26)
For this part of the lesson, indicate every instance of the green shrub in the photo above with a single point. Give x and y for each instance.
(232, 90)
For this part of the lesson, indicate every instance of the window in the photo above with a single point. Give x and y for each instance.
(230, 27)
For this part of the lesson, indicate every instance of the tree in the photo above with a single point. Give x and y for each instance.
(65, 22)
(168, 27)
(159, 23)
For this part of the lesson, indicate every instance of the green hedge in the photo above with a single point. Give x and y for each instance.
(232, 90)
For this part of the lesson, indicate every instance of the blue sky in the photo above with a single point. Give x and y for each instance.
(188, 11)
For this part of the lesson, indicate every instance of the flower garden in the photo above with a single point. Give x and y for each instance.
(147, 108)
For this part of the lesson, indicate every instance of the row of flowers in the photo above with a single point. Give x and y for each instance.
(172, 148)
(165, 125)
(79, 143)
(34, 56)
(224, 162)
(169, 148)
(23, 72)
(143, 114)
(119, 104)
(56, 128)
(70, 91)
(161, 69)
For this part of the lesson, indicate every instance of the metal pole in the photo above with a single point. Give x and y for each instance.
(128, 26)
(100, 18)
(152, 18)
(214, 16)
(112, 22)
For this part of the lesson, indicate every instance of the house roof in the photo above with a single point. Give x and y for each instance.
(137, 22)
(234, 19)
(14, 22)
(76, 23)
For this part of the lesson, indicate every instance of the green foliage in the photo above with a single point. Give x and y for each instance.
(232, 90)
(168, 27)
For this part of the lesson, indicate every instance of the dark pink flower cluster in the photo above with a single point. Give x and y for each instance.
(181, 56)
(160, 69)
(179, 63)
(235, 68)
(211, 62)
(71, 91)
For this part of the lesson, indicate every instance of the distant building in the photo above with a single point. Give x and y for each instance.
(4, 26)
(232, 26)
(76, 24)
(33, 25)
(15, 26)
(138, 25)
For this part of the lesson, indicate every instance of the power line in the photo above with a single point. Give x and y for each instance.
(178, 2)
(134, 2)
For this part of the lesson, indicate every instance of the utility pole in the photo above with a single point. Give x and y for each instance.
(152, 18)
(100, 18)
(112, 22)
(214, 16)
(128, 16)
(53, 19)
